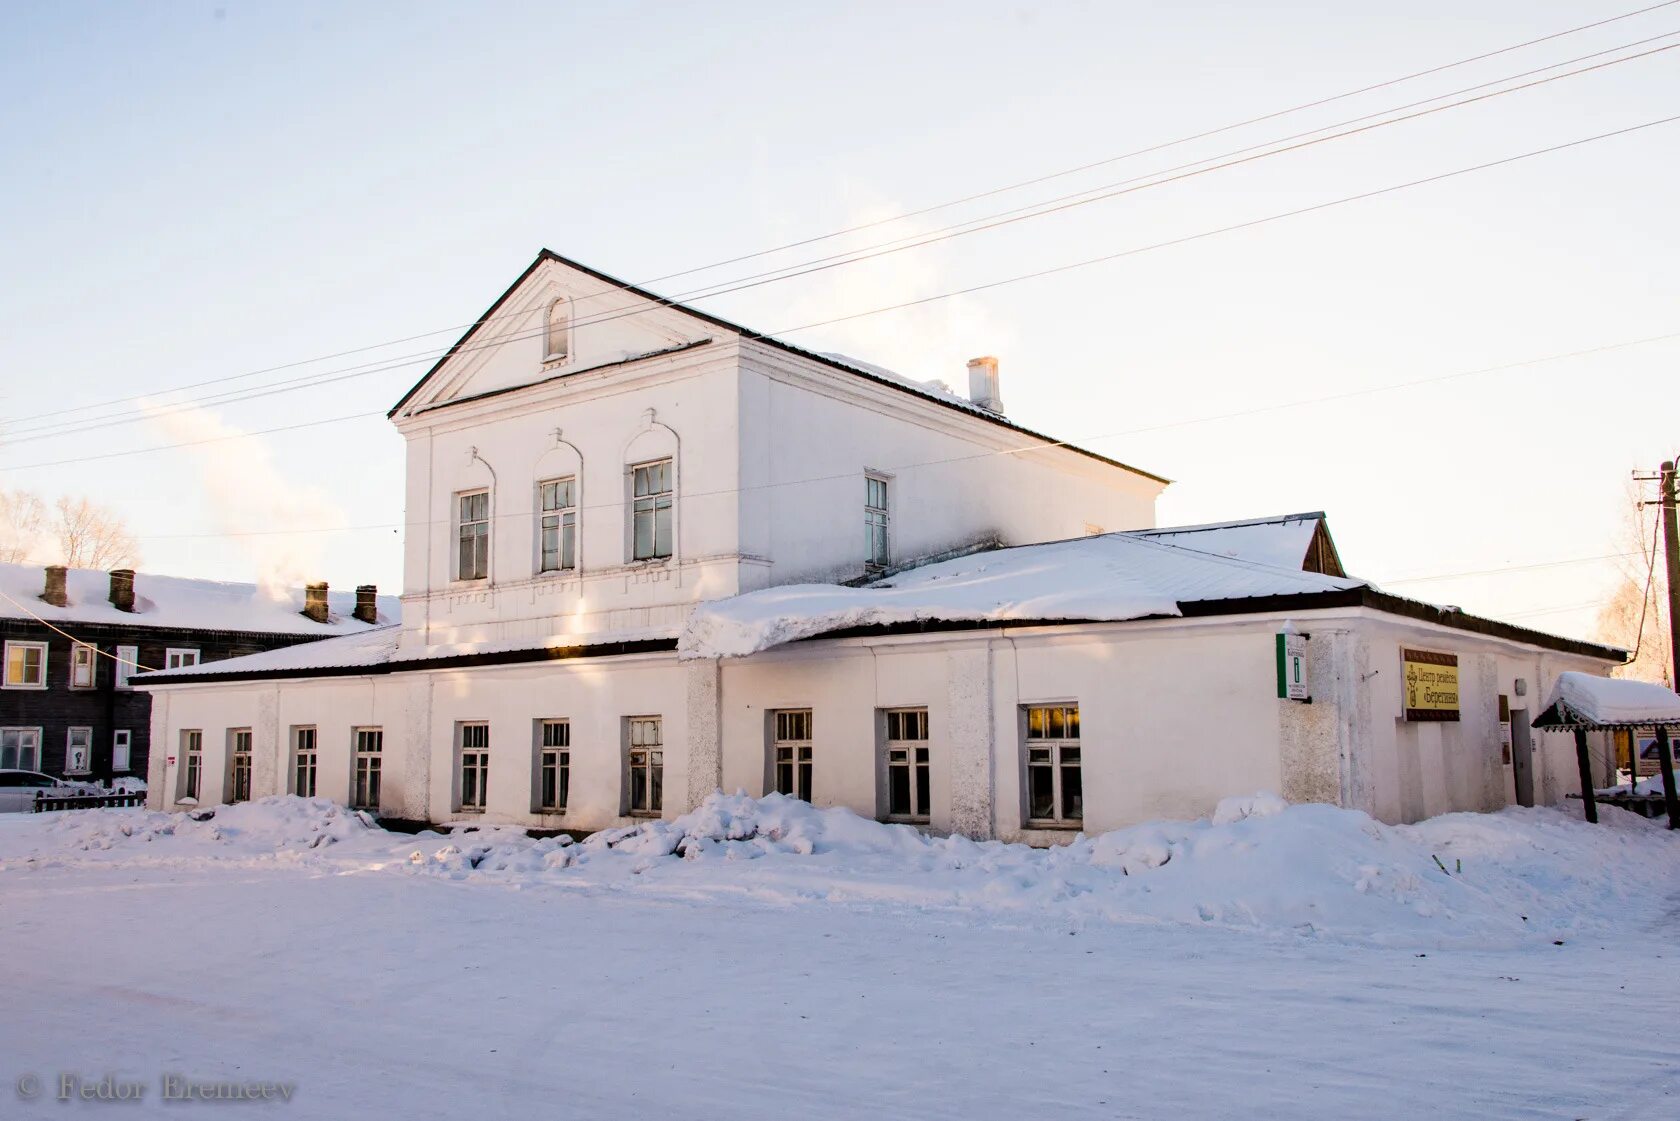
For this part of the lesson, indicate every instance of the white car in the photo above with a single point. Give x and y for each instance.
(18, 789)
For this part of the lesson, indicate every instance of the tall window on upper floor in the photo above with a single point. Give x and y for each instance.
(557, 527)
(875, 521)
(472, 535)
(557, 337)
(650, 510)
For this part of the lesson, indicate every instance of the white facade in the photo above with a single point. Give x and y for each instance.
(769, 451)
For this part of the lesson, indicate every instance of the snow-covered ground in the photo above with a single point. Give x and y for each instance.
(761, 959)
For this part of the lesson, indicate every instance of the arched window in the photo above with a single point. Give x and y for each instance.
(557, 339)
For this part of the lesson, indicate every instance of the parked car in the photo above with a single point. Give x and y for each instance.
(18, 789)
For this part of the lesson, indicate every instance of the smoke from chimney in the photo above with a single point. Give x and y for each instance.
(315, 601)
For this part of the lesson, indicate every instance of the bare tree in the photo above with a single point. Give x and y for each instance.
(23, 526)
(1636, 615)
(93, 536)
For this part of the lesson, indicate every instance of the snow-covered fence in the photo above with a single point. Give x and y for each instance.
(47, 803)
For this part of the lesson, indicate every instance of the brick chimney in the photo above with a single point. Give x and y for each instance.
(122, 589)
(367, 603)
(315, 601)
(983, 384)
(55, 593)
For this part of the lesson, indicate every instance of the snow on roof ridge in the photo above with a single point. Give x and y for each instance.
(1280, 519)
(935, 387)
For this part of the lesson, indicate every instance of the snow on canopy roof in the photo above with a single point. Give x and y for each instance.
(1109, 577)
(179, 602)
(1582, 700)
(1280, 541)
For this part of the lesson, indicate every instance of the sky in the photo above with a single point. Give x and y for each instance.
(195, 191)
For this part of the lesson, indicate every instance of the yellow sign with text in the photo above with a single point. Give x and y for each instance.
(1431, 683)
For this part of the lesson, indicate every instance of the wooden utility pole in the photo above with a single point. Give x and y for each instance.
(1671, 547)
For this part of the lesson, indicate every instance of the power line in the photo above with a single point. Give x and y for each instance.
(943, 205)
(94, 646)
(1509, 568)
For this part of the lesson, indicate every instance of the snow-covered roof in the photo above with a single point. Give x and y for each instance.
(1108, 577)
(1583, 700)
(1281, 541)
(179, 602)
(936, 388)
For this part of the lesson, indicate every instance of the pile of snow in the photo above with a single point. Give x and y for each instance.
(1109, 577)
(263, 826)
(1645, 787)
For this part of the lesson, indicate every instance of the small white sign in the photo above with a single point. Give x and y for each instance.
(1293, 683)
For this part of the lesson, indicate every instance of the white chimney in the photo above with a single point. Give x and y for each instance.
(983, 384)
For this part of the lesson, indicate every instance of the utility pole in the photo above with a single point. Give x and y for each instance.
(1671, 547)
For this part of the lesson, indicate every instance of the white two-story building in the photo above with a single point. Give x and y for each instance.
(650, 554)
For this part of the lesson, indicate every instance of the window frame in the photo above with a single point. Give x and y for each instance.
(127, 665)
(460, 523)
(551, 356)
(171, 653)
(69, 746)
(790, 755)
(24, 646)
(34, 731)
(238, 766)
(917, 765)
(1057, 746)
(122, 740)
(877, 521)
(549, 757)
(77, 650)
(652, 766)
(367, 767)
(295, 760)
(482, 769)
(189, 774)
(560, 514)
(653, 508)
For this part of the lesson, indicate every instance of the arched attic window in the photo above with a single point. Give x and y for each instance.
(557, 338)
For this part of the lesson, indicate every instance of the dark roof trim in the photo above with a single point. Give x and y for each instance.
(1257, 605)
(745, 333)
(118, 629)
(451, 661)
(666, 353)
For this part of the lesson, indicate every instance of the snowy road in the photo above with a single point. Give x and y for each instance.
(387, 995)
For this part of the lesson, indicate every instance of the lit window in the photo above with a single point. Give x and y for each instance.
(20, 749)
(791, 754)
(647, 764)
(557, 530)
(557, 338)
(875, 521)
(475, 766)
(364, 787)
(26, 665)
(908, 794)
(192, 763)
(651, 510)
(1055, 789)
(305, 762)
(175, 659)
(239, 765)
(472, 534)
(82, 665)
(554, 766)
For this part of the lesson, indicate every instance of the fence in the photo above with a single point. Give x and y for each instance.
(50, 803)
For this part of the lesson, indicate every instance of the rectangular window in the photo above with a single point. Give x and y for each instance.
(78, 751)
(239, 765)
(20, 749)
(908, 795)
(472, 535)
(128, 664)
(875, 521)
(554, 766)
(791, 753)
(1055, 790)
(122, 748)
(475, 765)
(646, 735)
(192, 763)
(364, 787)
(305, 762)
(557, 531)
(26, 665)
(177, 657)
(83, 665)
(651, 510)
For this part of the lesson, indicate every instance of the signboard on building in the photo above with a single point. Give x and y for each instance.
(1292, 679)
(1430, 681)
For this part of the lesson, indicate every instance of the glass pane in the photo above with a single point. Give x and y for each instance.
(568, 542)
(643, 534)
(898, 791)
(662, 531)
(1073, 723)
(805, 781)
(1036, 723)
(1073, 794)
(1056, 727)
(1041, 800)
(922, 796)
(656, 785)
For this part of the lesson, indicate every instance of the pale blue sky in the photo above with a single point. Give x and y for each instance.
(196, 190)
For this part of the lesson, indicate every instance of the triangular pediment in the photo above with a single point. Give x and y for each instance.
(610, 323)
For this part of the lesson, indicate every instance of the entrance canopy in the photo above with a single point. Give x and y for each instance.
(1581, 700)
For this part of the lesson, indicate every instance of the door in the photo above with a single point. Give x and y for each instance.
(1522, 756)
